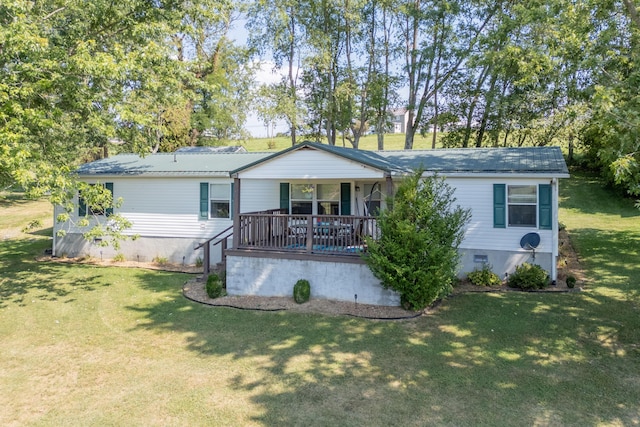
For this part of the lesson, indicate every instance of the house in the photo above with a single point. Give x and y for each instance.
(303, 212)
(399, 120)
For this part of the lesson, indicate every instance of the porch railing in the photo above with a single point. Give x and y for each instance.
(317, 234)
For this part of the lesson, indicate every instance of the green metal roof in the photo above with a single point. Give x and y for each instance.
(170, 164)
(536, 160)
(524, 160)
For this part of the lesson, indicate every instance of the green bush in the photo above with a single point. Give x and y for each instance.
(528, 277)
(301, 291)
(571, 282)
(420, 232)
(214, 286)
(484, 277)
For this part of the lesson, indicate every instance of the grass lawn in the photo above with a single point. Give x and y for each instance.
(392, 141)
(87, 345)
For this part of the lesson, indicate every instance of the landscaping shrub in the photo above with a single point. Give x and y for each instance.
(528, 277)
(571, 282)
(160, 260)
(214, 286)
(119, 258)
(420, 232)
(484, 277)
(301, 291)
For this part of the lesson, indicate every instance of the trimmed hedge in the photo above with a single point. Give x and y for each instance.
(301, 291)
(214, 286)
(484, 277)
(528, 277)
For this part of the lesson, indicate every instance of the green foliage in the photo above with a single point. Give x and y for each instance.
(119, 258)
(214, 286)
(301, 291)
(417, 252)
(484, 277)
(199, 262)
(528, 277)
(571, 281)
(32, 225)
(160, 260)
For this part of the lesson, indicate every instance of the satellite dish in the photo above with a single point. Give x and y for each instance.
(530, 242)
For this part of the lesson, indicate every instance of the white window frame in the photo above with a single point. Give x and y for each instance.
(523, 202)
(215, 197)
(314, 200)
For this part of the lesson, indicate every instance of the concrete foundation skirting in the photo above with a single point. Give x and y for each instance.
(143, 249)
(501, 262)
(331, 280)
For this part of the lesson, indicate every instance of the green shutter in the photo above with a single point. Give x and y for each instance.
(499, 206)
(204, 200)
(284, 196)
(345, 198)
(545, 209)
(109, 186)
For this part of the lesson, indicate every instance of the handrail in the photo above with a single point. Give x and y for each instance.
(214, 237)
(206, 264)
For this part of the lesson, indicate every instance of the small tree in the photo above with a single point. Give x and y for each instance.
(417, 253)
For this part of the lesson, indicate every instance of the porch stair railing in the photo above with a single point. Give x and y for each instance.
(222, 240)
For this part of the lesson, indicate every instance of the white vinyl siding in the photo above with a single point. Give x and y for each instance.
(165, 207)
(480, 234)
(259, 195)
(310, 164)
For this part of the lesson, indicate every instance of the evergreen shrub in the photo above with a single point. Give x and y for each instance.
(484, 277)
(301, 291)
(528, 277)
(214, 286)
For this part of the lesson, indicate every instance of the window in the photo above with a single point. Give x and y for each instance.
(302, 199)
(319, 199)
(372, 198)
(101, 201)
(328, 199)
(522, 203)
(219, 200)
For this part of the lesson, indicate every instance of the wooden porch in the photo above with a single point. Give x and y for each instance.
(276, 230)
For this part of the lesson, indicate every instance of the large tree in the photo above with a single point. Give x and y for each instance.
(74, 75)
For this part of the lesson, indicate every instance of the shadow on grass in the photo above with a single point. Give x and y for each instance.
(564, 359)
(479, 359)
(588, 194)
(21, 274)
(613, 256)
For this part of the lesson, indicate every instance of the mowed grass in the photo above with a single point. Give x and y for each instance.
(86, 345)
(392, 141)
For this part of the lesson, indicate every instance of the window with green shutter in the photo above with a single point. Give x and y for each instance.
(84, 209)
(523, 206)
